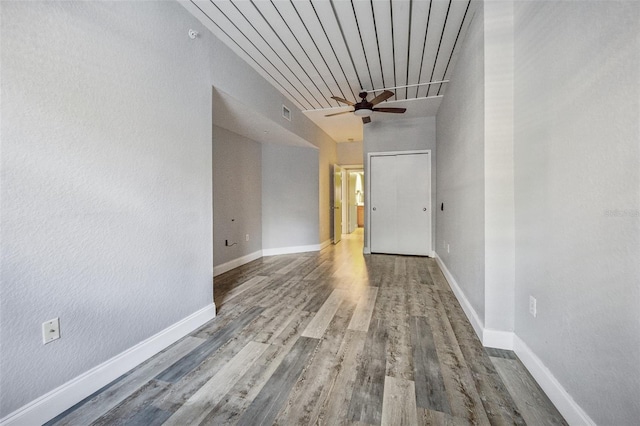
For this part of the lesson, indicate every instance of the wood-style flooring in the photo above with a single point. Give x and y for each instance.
(331, 337)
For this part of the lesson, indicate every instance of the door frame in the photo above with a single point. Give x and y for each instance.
(337, 202)
(367, 193)
(347, 168)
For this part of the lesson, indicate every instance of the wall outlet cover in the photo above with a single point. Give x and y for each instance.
(533, 306)
(50, 330)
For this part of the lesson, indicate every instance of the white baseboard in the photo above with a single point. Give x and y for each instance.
(227, 266)
(325, 244)
(66, 396)
(472, 315)
(290, 250)
(570, 410)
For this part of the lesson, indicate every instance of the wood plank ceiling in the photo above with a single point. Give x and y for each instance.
(311, 50)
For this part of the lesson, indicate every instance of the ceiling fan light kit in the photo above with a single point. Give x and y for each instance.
(363, 112)
(365, 108)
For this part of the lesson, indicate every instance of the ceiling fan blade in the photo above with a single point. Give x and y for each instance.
(381, 97)
(366, 120)
(392, 110)
(338, 113)
(344, 101)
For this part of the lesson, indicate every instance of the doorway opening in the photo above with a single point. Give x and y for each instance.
(352, 199)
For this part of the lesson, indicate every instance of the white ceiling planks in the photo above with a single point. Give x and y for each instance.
(382, 15)
(436, 21)
(419, 24)
(307, 47)
(400, 28)
(321, 35)
(368, 33)
(350, 28)
(325, 12)
(311, 50)
(459, 19)
(286, 41)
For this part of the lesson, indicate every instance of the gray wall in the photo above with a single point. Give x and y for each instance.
(106, 184)
(237, 195)
(406, 134)
(350, 153)
(289, 196)
(460, 171)
(107, 179)
(577, 187)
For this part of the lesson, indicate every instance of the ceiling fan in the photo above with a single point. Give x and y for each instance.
(365, 108)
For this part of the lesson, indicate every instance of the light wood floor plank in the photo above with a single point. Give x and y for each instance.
(196, 408)
(251, 283)
(121, 389)
(264, 408)
(429, 385)
(335, 407)
(313, 386)
(182, 367)
(534, 405)
(368, 390)
(320, 322)
(399, 404)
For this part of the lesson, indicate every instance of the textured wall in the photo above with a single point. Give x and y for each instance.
(106, 184)
(289, 196)
(107, 178)
(460, 174)
(577, 186)
(237, 195)
(326, 159)
(498, 166)
(406, 134)
(350, 153)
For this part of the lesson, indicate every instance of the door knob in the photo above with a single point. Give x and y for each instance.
(424, 209)
(374, 209)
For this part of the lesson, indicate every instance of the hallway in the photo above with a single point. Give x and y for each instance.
(330, 337)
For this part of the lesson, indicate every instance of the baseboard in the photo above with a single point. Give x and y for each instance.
(571, 411)
(227, 266)
(66, 396)
(497, 339)
(290, 250)
(325, 244)
(472, 315)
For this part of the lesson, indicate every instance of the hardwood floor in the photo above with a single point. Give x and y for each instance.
(333, 337)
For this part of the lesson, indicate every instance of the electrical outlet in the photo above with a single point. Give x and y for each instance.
(533, 306)
(50, 330)
(246, 237)
(448, 249)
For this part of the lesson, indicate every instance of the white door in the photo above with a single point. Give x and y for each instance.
(337, 204)
(400, 208)
(383, 204)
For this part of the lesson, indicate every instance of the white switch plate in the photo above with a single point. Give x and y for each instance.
(50, 330)
(246, 237)
(448, 248)
(533, 308)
